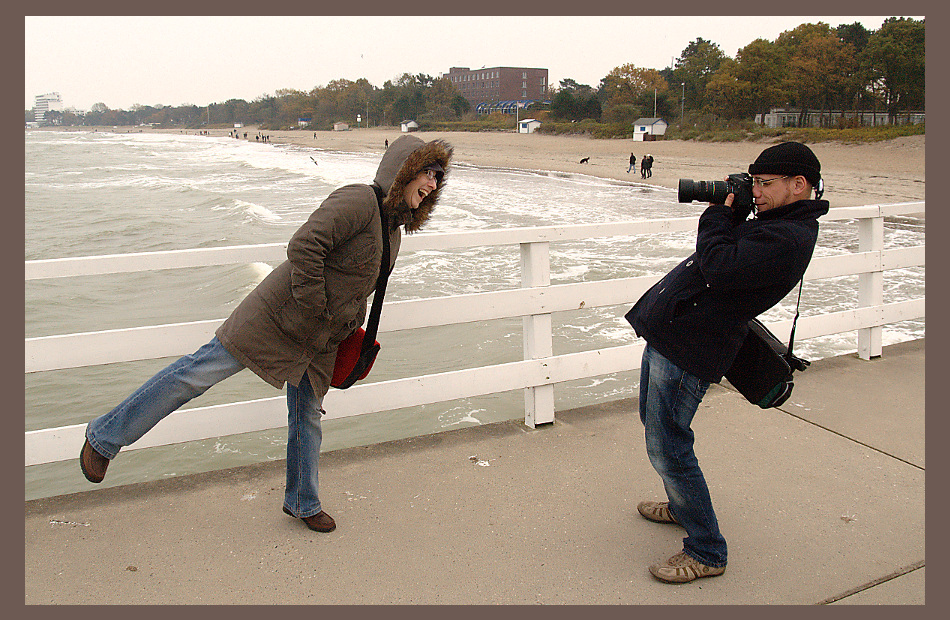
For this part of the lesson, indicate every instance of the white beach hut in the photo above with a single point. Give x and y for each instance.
(528, 125)
(647, 129)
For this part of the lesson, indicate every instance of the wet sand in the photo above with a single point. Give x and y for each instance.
(854, 174)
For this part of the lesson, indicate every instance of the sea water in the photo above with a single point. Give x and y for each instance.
(93, 193)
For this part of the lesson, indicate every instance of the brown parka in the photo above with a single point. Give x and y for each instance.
(294, 320)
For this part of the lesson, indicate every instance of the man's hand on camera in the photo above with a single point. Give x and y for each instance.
(729, 197)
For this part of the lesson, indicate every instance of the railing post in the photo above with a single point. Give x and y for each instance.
(538, 337)
(870, 285)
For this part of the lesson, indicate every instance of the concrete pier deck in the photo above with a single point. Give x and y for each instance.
(821, 501)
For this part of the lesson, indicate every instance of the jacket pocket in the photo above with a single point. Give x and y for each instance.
(357, 257)
(684, 289)
(684, 305)
(295, 322)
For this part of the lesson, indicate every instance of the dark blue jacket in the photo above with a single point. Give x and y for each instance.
(696, 315)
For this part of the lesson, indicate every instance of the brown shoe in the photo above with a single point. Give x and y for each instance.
(92, 463)
(320, 522)
(658, 512)
(681, 568)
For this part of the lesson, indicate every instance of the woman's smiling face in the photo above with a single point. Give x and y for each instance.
(419, 188)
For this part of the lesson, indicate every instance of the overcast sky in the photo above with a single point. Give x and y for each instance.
(122, 61)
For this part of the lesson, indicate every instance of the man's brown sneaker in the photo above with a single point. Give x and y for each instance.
(658, 512)
(681, 568)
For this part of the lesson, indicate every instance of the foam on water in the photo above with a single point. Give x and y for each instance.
(261, 270)
(257, 211)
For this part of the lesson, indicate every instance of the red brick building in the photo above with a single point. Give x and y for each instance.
(499, 88)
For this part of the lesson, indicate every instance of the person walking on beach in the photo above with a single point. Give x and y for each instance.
(287, 330)
(646, 165)
(633, 163)
(694, 321)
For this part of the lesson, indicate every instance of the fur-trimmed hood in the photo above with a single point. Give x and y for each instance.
(405, 158)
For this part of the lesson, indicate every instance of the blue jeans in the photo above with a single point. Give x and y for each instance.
(304, 435)
(669, 398)
(191, 376)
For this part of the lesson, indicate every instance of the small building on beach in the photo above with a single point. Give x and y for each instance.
(408, 126)
(647, 129)
(528, 125)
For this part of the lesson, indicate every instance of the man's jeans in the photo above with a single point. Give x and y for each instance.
(669, 398)
(191, 376)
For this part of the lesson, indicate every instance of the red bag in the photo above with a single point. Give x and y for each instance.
(352, 363)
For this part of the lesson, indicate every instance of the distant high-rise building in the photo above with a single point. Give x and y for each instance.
(500, 88)
(45, 103)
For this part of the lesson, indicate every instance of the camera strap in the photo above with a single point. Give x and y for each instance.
(796, 362)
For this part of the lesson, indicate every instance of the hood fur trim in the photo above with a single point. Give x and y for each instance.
(401, 215)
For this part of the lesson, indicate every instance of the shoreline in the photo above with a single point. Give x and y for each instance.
(884, 172)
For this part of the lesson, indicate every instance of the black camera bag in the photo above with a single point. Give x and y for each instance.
(763, 369)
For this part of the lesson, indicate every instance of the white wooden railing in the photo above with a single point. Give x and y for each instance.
(534, 302)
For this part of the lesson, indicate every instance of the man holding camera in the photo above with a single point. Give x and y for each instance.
(694, 321)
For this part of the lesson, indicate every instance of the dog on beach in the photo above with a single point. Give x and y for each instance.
(586, 160)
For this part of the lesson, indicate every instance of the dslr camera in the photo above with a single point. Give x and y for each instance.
(715, 192)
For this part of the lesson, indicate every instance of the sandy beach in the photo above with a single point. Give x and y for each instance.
(855, 174)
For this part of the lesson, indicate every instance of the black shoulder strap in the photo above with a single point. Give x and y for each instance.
(795, 362)
(372, 325)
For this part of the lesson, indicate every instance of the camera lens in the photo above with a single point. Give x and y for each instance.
(702, 191)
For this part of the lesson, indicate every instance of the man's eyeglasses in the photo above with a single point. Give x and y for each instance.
(757, 182)
(432, 175)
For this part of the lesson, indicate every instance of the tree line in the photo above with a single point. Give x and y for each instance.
(811, 68)
(408, 97)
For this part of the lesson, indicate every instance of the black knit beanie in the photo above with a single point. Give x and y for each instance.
(789, 158)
